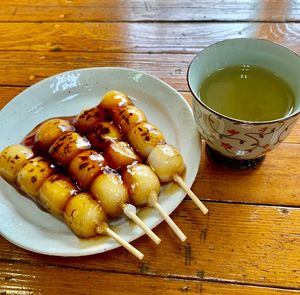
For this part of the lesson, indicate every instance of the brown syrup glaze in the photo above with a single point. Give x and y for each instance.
(90, 117)
(30, 139)
(101, 132)
(101, 135)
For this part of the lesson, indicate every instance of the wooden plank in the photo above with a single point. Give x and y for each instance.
(244, 244)
(171, 10)
(8, 93)
(275, 181)
(137, 37)
(15, 70)
(26, 279)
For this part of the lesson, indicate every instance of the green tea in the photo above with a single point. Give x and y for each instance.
(248, 93)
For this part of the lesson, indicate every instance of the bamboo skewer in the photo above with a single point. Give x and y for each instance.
(183, 185)
(120, 240)
(153, 202)
(130, 212)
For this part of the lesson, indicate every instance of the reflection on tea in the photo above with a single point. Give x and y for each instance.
(247, 93)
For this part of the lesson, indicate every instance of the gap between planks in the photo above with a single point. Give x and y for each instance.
(160, 21)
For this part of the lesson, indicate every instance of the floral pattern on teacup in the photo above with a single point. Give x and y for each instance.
(239, 140)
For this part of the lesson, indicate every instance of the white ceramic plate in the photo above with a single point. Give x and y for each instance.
(21, 222)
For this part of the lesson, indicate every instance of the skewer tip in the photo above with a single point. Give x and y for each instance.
(130, 211)
(153, 202)
(104, 229)
(178, 179)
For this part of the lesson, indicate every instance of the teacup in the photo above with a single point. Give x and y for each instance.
(235, 139)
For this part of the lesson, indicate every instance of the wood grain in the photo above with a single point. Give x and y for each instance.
(38, 65)
(170, 10)
(234, 243)
(272, 182)
(137, 37)
(8, 93)
(35, 280)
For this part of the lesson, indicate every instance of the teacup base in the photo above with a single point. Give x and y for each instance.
(232, 163)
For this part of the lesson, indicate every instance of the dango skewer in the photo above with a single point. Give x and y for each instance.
(102, 188)
(105, 136)
(141, 181)
(143, 185)
(167, 163)
(56, 193)
(83, 205)
(164, 159)
(120, 155)
(110, 190)
(144, 188)
(84, 165)
(84, 215)
(146, 139)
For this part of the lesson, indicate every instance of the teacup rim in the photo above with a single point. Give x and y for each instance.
(227, 117)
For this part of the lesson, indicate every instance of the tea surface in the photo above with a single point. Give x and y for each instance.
(248, 93)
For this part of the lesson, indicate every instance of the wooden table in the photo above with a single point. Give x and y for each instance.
(250, 241)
